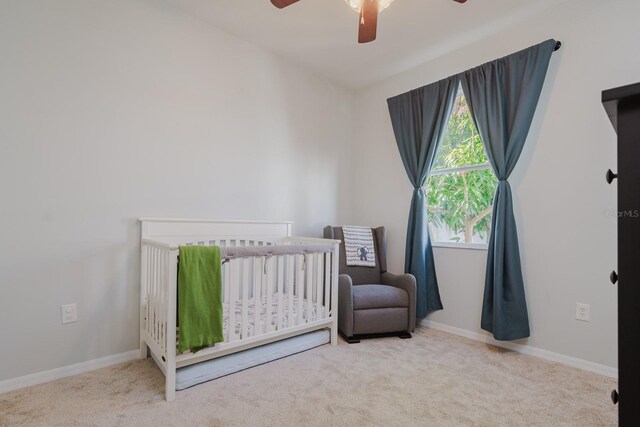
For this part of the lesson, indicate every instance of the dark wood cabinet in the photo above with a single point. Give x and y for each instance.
(623, 107)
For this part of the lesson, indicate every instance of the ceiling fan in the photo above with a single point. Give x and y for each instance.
(368, 10)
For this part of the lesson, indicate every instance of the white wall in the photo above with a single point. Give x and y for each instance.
(568, 246)
(113, 110)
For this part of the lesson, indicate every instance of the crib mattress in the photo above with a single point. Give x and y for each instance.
(276, 324)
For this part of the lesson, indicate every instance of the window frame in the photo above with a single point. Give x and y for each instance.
(479, 166)
(459, 245)
(447, 171)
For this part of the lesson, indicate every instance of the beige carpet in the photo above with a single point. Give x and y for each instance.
(434, 379)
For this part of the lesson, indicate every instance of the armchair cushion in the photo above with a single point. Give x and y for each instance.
(379, 296)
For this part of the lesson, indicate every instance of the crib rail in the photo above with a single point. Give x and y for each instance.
(268, 294)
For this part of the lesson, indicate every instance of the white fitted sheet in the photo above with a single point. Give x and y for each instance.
(276, 323)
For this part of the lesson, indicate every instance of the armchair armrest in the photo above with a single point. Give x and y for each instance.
(345, 304)
(408, 283)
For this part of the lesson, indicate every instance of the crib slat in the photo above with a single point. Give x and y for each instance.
(300, 285)
(257, 303)
(155, 285)
(290, 273)
(151, 293)
(159, 295)
(163, 285)
(309, 294)
(150, 296)
(145, 294)
(166, 276)
(279, 289)
(232, 289)
(152, 286)
(226, 271)
(160, 315)
(269, 284)
(319, 258)
(245, 297)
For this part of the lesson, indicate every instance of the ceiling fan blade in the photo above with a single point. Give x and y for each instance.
(368, 21)
(460, 1)
(283, 3)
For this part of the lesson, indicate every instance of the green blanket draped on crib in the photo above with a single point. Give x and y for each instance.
(199, 297)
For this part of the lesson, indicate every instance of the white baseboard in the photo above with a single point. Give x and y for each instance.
(526, 349)
(67, 371)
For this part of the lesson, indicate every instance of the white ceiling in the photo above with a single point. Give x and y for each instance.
(322, 34)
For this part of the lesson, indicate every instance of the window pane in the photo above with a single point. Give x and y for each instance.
(461, 144)
(460, 204)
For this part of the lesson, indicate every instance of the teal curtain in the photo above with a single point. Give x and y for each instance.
(502, 96)
(419, 120)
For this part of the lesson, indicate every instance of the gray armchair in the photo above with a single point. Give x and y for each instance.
(373, 302)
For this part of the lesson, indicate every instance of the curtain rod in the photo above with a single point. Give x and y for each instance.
(555, 48)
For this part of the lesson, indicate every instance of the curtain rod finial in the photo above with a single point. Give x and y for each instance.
(557, 46)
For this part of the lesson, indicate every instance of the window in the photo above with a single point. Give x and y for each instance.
(461, 186)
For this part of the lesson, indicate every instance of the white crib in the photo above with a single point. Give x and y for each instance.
(276, 287)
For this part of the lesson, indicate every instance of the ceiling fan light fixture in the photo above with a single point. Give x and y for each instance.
(356, 5)
(368, 11)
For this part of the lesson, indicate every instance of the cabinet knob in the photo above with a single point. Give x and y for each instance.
(611, 176)
(613, 277)
(614, 396)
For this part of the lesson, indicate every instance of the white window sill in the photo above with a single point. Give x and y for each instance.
(455, 245)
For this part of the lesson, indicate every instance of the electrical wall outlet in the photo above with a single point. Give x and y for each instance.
(582, 312)
(69, 313)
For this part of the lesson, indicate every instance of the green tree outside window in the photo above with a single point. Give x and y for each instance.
(461, 200)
